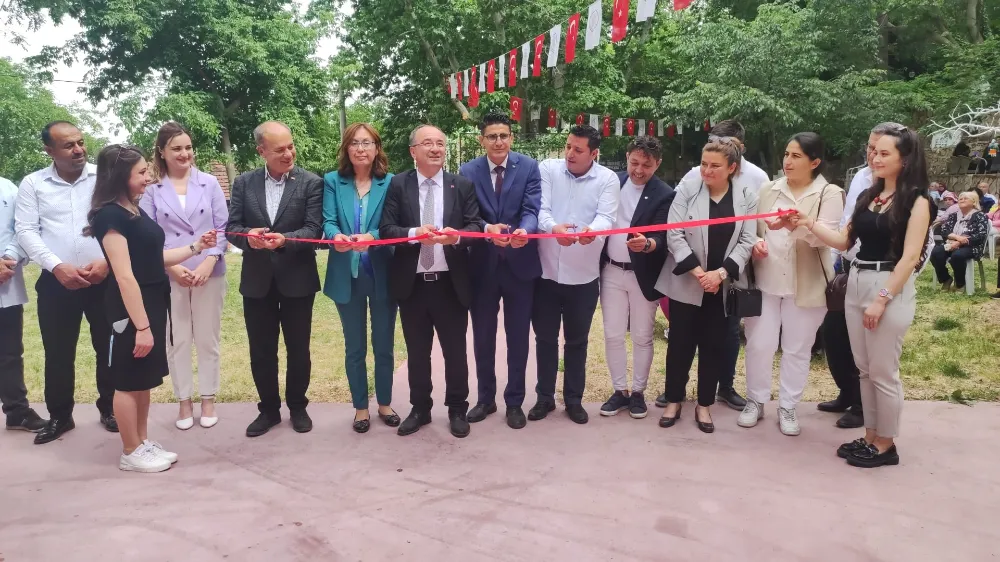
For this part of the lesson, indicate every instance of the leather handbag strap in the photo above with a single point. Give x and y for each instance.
(818, 254)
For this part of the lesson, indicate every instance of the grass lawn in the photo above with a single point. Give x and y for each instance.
(952, 352)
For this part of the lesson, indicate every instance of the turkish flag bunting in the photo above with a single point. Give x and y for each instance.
(579, 119)
(651, 128)
(512, 68)
(552, 117)
(516, 104)
(536, 67)
(681, 4)
(491, 75)
(619, 20)
(571, 33)
(458, 80)
(671, 130)
(473, 87)
(606, 128)
(630, 126)
(708, 126)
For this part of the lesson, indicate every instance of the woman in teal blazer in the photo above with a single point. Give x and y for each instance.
(356, 276)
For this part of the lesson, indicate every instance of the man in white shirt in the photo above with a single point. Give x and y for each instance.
(13, 297)
(578, 195)
(52, 207)
(430, 278)
(750, 178)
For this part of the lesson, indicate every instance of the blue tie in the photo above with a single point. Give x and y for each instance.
(366, 263)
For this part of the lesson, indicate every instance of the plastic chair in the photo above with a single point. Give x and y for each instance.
(991, 242)
(970, 272)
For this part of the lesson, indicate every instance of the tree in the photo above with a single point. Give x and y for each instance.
(26, 105)
(239, 63)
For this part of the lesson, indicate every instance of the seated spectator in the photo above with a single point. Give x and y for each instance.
(986, 200)
(964, 234)
(935, 191)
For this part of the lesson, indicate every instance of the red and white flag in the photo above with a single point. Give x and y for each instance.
(606, 128)
(491, 76)
(671, 130)
(571, 34)
(465, 82)
(482, 77)
(594, 120)
(651, 128)
(594, 24)
(502, 72)
(619, 126)
(579, 119)
(473, 88)
(708, 126)
(525, 53)
(630, 126)
(453, 86)
(641, 126)
(536, 66)
(552, 118)
(458, 85)
(681, 4)
(516, 104)
(619, 20)
(512, 68)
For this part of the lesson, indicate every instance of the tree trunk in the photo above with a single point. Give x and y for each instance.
(432, 57)
(227, 149)
(342, 109)
(883, 40)
(972, 20)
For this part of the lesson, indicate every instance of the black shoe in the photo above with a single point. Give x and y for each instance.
(109, 422)
(869, 457)
(29, 421)
(995, 295)
(618, 402)
(459, 424)
(301, 422)
(852, 419)
(946, 286)
(413, 422)
(479, 412)
(515, 417)
(362, 426)
(262, 425)
(577, 413)
(54, 430)
(846, 449)
(731, 398)
(391, 420)
(706, 427)
(669, 422)
(540, 410)
(637, 406)
(661, 401)
(837, 406)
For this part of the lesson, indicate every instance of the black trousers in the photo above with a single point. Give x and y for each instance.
(266, 319)
(840, 358)
(572, 307)
(60, 314)
(707, 331)
(433, 306)
(730, 356)
(13, 394)
(940, 258)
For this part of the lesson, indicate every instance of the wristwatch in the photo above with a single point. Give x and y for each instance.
(194, 250)
(723, 274)
(884, 293)
(648, 244)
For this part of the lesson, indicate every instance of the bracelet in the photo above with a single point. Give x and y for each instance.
(143, 330)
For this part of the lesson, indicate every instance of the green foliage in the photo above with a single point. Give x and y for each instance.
(26, 105)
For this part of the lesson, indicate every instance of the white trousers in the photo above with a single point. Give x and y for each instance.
(625, 309)
(196, 314)
(796, 327)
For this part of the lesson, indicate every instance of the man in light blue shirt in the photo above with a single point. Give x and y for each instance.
(578, 195)
(13, 296)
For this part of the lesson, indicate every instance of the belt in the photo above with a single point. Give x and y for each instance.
(874, 265)
(431, 276)
(620, 265)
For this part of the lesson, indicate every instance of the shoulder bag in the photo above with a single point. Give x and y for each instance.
(836, 288)
(745, 303)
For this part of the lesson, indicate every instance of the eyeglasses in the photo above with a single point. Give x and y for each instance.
(365, 144)
(503, 137)
(427, 145)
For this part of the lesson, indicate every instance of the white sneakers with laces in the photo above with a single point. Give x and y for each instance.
(160, 451)
(751, 414)
(143, 459)
(788, 422)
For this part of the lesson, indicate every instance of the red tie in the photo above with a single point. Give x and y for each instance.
(498, 185)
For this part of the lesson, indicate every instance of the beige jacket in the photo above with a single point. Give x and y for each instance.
(811, 257)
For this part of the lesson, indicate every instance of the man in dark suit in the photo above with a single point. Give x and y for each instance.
(430, 277)
(509, 190)
(630, 264)
(279, 281)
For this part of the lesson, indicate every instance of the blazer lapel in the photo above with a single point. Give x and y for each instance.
(169, 196)
(450, 202)
(703, 208)
(291, 184)
(259, 193)
(486, 185)
(648, 191)
(345, 191)
(739, 209)
(375, 198)
(413, 197)
(196, 190)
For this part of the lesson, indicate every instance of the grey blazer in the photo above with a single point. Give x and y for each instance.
(691, 203)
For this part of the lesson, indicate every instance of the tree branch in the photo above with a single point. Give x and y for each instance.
(432, 57)
(974, 123)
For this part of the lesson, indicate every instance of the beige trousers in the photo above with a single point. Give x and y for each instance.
(876, 352)
(196, 314)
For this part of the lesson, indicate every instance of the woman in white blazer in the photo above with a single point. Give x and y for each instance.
(702, 264)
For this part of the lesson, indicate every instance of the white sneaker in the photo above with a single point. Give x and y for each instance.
(160, 451)
(143, 459)
(788, 422)
(751, 413)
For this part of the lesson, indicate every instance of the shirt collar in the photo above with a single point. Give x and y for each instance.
(51, 173)
(817, 185)
(267, 175)
(590, 173)
(493, 166)
(438, 178)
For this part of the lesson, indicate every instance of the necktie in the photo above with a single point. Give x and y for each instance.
(427, 217)
(498, 185)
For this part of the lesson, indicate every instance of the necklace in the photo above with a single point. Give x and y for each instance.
(880, 201)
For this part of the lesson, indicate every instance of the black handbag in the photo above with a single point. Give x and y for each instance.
(745, 303)
(836, 288)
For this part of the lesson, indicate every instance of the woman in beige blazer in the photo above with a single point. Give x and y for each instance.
(792, 267)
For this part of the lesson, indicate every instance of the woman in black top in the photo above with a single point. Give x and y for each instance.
(892, 220)
(137, 300)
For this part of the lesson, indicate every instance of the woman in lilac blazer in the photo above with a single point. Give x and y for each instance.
(186, 202)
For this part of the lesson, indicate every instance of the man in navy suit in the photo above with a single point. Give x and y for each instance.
(508, 187)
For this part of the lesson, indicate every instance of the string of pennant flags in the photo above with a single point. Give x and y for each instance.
(505, 70)
(608, 125)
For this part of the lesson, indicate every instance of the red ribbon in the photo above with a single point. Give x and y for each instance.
(464, 234)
